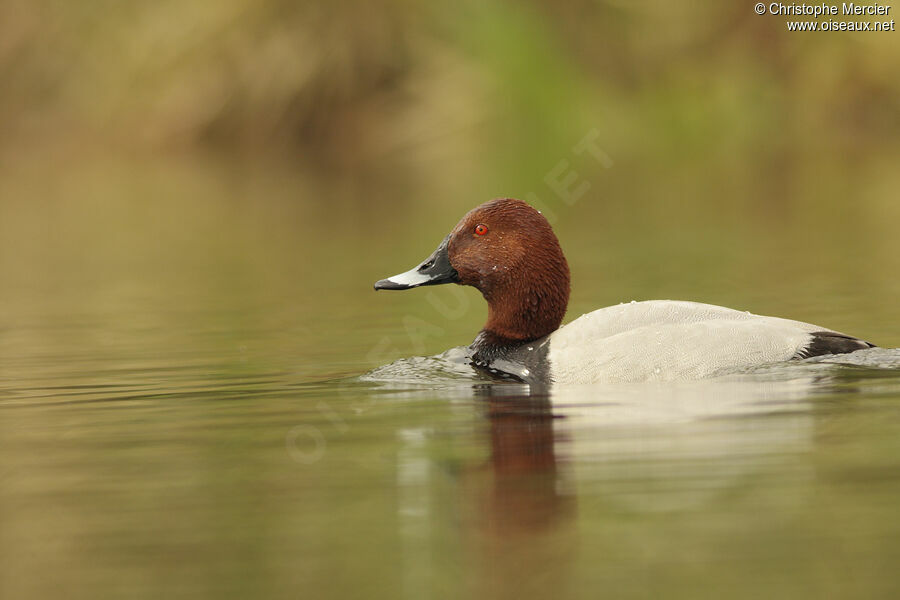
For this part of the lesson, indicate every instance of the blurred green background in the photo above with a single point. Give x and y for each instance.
(235, 148)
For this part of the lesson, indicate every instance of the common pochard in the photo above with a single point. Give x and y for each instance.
(508, 251)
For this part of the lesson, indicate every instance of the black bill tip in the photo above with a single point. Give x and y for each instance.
(387, 284)
(434, 270)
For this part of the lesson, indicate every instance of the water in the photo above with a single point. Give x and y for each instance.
(188, 405)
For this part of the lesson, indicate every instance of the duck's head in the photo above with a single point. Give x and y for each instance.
(507, 250)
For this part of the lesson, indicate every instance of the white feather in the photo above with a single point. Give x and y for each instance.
(666, 340)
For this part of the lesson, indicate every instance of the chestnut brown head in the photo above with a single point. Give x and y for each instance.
(508, 251)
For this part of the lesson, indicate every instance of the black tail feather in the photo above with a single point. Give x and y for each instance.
(829, 342)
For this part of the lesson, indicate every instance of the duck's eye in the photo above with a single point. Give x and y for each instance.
(480, 229)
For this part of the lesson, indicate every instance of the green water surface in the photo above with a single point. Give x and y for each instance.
(181, 413)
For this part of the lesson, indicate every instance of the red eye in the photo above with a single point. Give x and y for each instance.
(480, 229)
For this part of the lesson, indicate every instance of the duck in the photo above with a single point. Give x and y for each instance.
(508, 251)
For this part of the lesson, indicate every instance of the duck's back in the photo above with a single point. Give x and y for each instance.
(668, 340)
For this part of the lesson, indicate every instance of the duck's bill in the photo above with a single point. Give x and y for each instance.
(434, 270)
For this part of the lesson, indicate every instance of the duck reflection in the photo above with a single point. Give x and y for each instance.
(520, 507)
(525, 484)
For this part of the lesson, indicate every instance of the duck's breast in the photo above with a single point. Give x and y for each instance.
(669, 340)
